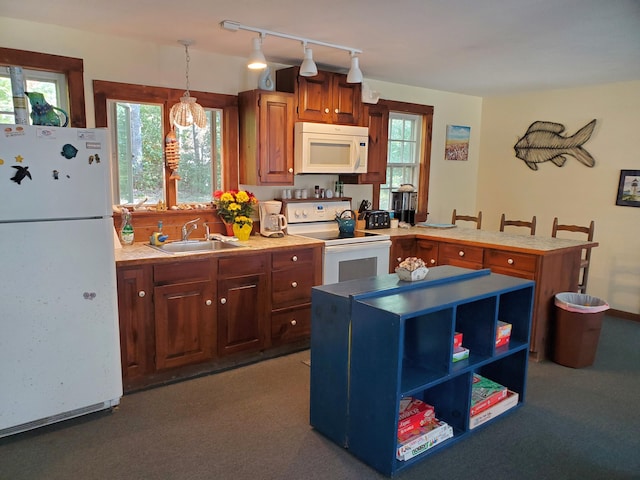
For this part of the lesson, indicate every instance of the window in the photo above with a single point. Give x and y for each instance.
(138, 120)
(403, 154)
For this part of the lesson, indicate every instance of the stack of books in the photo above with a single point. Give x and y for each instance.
(459, 352)
(503, 334)
(488, 400)
(419, 429)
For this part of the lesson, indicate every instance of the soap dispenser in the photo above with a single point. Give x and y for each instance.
(126, 232)
(158, 238)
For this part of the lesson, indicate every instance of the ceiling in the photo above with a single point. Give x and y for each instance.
(482, 48)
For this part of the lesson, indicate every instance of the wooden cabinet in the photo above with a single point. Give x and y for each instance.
(135, 311)
(377, 118)
(427, 250)
(325, 98)
(184, 313)
(374, 346)
(511, 263)
(293, 273)
(401, 248)
(266, 137)
(460, 255)
(242, 307)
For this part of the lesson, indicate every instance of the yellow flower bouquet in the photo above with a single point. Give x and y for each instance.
(235, 207)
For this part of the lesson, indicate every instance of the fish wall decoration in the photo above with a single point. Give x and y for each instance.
(543, 143)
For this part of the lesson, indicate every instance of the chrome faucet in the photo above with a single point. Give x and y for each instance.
(189, 227)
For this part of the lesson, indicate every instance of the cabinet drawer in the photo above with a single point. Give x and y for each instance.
(291, 324)
(184, 271)
(291, 287)
(292, 258)
(427, 251)
(460, 255)
(514, 264)
(241, 265)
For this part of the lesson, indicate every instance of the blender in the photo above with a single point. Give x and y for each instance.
(272, 223)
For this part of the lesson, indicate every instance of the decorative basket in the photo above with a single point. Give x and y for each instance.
(412, 275)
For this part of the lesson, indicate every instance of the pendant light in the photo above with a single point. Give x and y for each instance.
(188, 111)
(256, 60)
(355, 74)
(308, 67)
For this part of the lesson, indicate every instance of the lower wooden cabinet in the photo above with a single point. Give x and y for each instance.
(135, 311)
(427, 251)
(242, 308)
(401, 248)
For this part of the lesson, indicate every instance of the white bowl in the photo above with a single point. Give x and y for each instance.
(411, 276)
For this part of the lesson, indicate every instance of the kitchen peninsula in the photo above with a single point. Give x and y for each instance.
(553, 263)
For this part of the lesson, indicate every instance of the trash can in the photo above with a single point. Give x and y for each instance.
(577, 328)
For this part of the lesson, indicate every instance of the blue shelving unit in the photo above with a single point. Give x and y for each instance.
(376, 341)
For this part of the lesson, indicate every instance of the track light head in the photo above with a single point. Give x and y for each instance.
(308, 67)
(355, 74)
(256, 60)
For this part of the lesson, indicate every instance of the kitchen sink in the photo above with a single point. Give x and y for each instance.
(189, 246)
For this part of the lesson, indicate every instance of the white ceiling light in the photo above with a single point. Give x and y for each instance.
(256, 59)
(188, 111)
(354, 73)
(308, 67)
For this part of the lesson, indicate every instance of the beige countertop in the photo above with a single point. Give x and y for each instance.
(536, 244)
(143, 253)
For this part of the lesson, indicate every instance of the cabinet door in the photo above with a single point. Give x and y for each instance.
(427, 251)
(135, 309)
(184, 321)
(314, 98)
(401, 248)
(346, 102)
(266, 138)
(241, 313)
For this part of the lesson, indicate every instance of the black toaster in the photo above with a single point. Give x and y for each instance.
(377, 219)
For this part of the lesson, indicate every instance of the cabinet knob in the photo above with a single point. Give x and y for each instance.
(399, 259)
(294, 258)
(510, 261)
(461, 253)
(294, 284)
(207, 303)
(432, 261)
(223, 300)
(293, 322)
(142, 293)
(291, 170)
(326, 110)
(336, 111)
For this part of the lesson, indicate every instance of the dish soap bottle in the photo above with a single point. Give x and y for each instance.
(126, 233)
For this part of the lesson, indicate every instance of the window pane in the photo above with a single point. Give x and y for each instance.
(200, 156)
(52, 85)
(140, 152)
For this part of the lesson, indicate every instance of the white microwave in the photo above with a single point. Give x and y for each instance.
(329, 148)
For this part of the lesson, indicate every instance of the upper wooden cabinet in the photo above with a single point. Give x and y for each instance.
(266, 137)
(325, 98)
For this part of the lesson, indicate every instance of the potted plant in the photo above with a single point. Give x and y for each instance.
(235, 208)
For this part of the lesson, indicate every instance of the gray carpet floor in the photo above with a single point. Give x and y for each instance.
(252, 423)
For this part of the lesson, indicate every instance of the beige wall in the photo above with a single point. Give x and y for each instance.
(574, 193)
(492, 179)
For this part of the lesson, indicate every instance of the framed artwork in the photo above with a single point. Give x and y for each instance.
(456, 146)
(629, 188)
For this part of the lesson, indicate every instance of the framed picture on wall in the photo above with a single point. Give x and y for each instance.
(629, 188)
(456, 145)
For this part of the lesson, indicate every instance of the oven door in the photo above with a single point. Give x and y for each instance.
(355, 260)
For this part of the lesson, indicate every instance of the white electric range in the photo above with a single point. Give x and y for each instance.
(346, 256)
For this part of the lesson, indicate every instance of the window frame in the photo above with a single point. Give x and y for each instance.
(167, 97)
(425, 155)
(72, 68)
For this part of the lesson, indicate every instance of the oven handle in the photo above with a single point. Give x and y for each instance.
(350, 246)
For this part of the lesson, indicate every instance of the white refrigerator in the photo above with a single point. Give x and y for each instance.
(59, 334)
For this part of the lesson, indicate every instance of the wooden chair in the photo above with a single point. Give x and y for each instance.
(467, 218)
(586, 252)
(518, 223)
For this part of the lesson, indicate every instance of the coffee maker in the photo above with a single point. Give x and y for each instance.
(404, 205)
(272, 223)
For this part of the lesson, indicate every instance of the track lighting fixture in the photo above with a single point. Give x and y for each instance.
(256, 59)
(308, 67)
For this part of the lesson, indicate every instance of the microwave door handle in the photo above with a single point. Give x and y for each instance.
(359, 150)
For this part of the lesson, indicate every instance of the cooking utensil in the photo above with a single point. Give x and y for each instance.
(346, 224)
